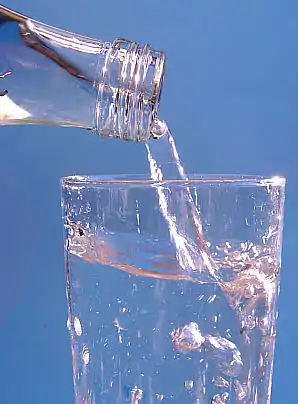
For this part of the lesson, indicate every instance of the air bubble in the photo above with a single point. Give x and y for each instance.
(211, 299)
(224, 352)
(136, 394)
(77, 326)
(159, 128)
(85, 355)
(187, 338)
(188, 384)
(226, 355)
(240, 390)
(220, 399)
(220, 381)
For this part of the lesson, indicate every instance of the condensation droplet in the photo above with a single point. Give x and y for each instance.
(159, 397)
(187, 338)
(85, 355)
(188, 384)
(220, 381)
(77, 326)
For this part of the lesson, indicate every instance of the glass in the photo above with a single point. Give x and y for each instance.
(55, 77)
(145, 329)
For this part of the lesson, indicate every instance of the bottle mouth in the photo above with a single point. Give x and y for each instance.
(128, 99)
(150, 95)
(159, 73)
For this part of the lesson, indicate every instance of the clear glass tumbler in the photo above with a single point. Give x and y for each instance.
(145, 326)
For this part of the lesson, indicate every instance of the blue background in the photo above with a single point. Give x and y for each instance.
(230, 97)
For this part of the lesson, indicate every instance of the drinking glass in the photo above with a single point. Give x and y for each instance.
(172, 287)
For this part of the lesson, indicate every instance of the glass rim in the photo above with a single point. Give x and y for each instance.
(145, 180)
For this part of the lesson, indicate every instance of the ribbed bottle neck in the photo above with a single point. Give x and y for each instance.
(129, 89)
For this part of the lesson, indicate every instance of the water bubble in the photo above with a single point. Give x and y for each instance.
(261, 361)
(119, 329)
(250, 322)
(77, 326)
(263, 323)
(188, 384)
(240, 390)
(136, 394)
(159, 397)
(214, 319)
(211, 299)
(85, 355)
(187, 338)
(226, 354)
(159, 128)
(228, 333)
(220, 381)
(225, 396)
(220, 399)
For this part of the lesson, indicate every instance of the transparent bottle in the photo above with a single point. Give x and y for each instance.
(55, 77)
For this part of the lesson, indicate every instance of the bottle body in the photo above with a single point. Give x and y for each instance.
(50, 76)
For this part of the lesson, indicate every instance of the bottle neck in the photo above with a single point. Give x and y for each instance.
(129, 89)
(56, 77)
